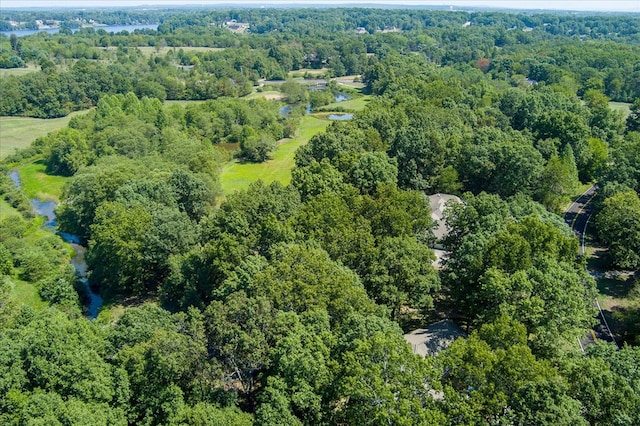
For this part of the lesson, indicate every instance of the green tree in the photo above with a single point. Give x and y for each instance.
(402, 274)
(68, 151)
(301, 278)
(633, 120)
(380, 380)
(618, 225)
(559, 180)
(239, 331)
(115, 257)
(372, 169)
(317, 178)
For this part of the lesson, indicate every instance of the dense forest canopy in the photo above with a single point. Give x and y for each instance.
(285, 303)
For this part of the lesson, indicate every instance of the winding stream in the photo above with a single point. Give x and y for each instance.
(47, 209)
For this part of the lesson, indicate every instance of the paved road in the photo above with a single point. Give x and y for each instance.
(577, 217)
(578, 214)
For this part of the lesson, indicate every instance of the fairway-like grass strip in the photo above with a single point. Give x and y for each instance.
(237, 176)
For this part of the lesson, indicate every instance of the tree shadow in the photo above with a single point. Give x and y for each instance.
(625, 323)
(614, 287)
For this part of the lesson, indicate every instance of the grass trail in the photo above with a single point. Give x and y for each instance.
(237, 176)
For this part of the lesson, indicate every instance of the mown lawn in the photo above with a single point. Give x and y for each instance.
(36, 183)
(355, 104)
(237, 176)
(302, 71)
(19, 132)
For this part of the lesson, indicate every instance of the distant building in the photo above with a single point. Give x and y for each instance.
(361, 30)
(236, 26)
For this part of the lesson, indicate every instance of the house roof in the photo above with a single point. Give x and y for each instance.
(437, 203)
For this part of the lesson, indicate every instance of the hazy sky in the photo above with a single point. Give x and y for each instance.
(602, 5)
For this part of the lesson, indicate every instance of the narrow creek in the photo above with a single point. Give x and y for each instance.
(47, 209)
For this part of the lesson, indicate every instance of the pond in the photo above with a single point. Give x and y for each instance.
(340, 117)
(342, 97)
(107, 28)
(285, 110)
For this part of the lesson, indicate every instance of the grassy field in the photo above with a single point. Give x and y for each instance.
(27, 293)
(237, 176)
(267, 94)
(18, 71)
(621, 106)
(22, 292)
(348, 80)
(355, 104)
(6, 210)
(37, 184)
(310, 71)
(19, 132)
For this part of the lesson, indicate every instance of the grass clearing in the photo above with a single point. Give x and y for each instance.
(355, 104)
(309, 71)
(622, 107)
(18, 71)
(267, 94)
(26, 293)
(36, 183)
(237, 176)
(18, 132)
(6, 211)
(352, 81)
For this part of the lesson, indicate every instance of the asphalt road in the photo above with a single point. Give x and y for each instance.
(577, 217)
(578, 214)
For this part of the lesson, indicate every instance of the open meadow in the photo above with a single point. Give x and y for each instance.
(18, 132)
(18, 71)
(238, 175)
(355, 104)
(36, 183)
